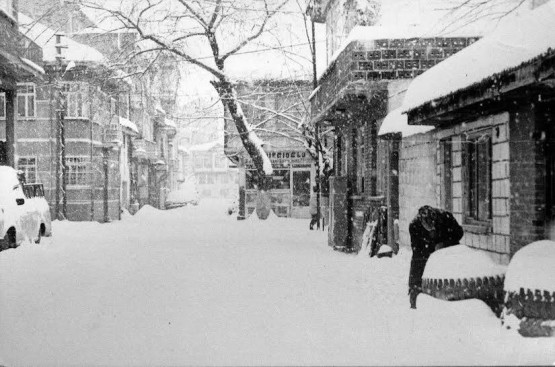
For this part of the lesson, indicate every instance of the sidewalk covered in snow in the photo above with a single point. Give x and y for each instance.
(193, 286)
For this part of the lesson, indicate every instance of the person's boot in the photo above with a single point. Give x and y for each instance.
(413, 293)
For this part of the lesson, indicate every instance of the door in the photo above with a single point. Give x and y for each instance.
(300, 193)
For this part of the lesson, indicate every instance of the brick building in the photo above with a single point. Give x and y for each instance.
(366, 77)
(275, 108)
(19, 61)
(80, 113)
(490, 158)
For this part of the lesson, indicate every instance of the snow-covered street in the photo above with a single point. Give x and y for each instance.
(194, 286)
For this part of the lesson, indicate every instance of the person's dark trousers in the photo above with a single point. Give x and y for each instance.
(417, 265)
(314, 221)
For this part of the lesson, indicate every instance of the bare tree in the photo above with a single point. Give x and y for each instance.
(191, 30)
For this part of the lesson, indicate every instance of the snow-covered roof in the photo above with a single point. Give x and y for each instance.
(128, 124)
(518, 39)
(45, 37)
(406, 19)
(33, 66)
(397, 122)
(170, 123)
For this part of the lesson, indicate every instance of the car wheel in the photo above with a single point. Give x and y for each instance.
(487, 289)
(9, 240)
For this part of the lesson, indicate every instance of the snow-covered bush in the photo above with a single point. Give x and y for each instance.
(460, 272)
(530, 290)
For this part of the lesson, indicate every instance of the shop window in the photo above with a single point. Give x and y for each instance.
(28, 165)
(26, 100)
(446, 174)
(301, 188)
(77, 171)
(251, 179)
(477, 163)
(281, 179)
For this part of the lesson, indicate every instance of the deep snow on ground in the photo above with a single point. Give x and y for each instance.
(194, 286)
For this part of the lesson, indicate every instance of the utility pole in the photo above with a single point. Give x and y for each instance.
(61, 167)
(316, 129)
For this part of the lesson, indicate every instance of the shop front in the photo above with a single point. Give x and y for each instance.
(290, 185)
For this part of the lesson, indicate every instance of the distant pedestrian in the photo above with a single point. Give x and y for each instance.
(431, 230)
(313, 206)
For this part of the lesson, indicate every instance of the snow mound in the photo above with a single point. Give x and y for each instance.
(253, 217)
(272, 215)
(532, 267)
(147, 211)
(459, 262)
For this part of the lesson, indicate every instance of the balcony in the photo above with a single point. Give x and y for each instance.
(144, 149)
(358, 77)
(16, 45)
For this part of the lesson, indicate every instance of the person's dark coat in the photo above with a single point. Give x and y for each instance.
(446, 231)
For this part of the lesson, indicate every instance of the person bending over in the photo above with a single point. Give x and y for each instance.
(431, 230)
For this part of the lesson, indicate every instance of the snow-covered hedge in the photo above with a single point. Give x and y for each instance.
(530, 290)
(460, 272)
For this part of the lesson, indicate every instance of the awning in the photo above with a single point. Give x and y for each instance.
(397, 122)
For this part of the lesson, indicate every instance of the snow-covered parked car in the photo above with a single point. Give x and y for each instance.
(24, 213)
(186, 194)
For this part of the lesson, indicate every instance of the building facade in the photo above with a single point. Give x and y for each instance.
(364, 81)
(491, 156)
(20, 58)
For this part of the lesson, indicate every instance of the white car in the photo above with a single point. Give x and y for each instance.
(24, 213)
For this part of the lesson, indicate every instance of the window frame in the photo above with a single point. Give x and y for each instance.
(81, 176)
(446, 179)
(25, 167)
(26, 95)
(472, 213)
(75, 99)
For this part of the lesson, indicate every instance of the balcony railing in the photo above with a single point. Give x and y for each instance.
(364, 62)
(145, 149)
(17, 44)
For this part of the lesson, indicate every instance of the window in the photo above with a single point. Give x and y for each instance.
(477, 180)
(76, 170)
(446, 175)
(360, 161)
(198, 161)
(207, 161)
(220, 162)
(251, 179)
(75, 99)
(26, 100)
(2, 105)
(281, 179)
(28, 165)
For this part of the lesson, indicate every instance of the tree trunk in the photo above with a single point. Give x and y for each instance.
(251, 143)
